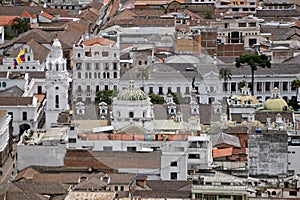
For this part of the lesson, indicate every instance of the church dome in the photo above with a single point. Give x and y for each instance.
(276, 104)
(132, 94)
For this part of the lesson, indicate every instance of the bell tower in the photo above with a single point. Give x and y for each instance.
(57, 84)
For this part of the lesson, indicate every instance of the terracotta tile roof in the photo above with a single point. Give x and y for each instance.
(121, 178)
(99, 40)
(84, 158)
(40, 52)
(26, 173)
(118, 160)
(25, 14)
(15, 101)
(165, 189)
(13, 91)
(218, 153)
(95, 4)
(156, 2)
(7, 20)
(60, 12)
(93, 183)
(90, 15)
(46, 15)
(43, 188)
(71, 35)
(18, 10)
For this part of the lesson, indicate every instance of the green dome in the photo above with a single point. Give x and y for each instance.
(132, 94)
(276, 104)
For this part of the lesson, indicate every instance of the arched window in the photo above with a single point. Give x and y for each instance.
(86, 75)
(4, 84)
(99, 75)
(131, 114)
(104, 75)
(115, 74)
(90, 75)
(107, 75)
(79, 88)
(78, 55)
(50, 66)
(95, 74)
(79, 75)
(57, 67)
(56, 101)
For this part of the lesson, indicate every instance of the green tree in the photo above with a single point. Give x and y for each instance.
(208, 15)
(225, 75)
(7, 33)
(20, 25)
(177, 98)
(253, 60)
(156, 99)
(295, 85)
(242, 84)
(104, 96)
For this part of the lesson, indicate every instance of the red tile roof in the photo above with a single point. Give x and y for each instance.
(217, 153)
(46, 15)
(25, 14)
(98, 40)
(7, 20)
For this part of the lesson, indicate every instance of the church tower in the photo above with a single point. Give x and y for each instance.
(57, 84)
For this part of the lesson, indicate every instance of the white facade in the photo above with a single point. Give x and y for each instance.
(1, 34)
(4, 130)
(96, 67)
(24, 116)
(132, 106)
(239, 31)
(57, 84)
(30, 63)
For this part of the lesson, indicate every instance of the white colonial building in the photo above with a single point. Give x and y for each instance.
(57, 84)
(35, 57)
(96, 67)
(132, 106)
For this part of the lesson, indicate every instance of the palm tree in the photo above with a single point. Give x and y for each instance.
(253, 60)
(295, 85)
(225, 75)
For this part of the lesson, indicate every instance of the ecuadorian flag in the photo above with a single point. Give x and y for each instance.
(20, 58)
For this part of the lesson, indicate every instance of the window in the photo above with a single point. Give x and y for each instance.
(28, 58)
(56, 101)
(122, 188)
(115, 74)
(131, 114)
(78, 66)
(174, 164)
(173, 175)
(187, 90)
(150, 90)
(140, 62)
(293, 193)
(96, 53)
(11, 114)
(78, 55)
(194, 156)
(104, 53)
(237, 197)
(131, 149)
(116, 188)
(4, 84)
(88, 66)
(160, 90)
(115, 66)
(79, 75)
(252, 24)
(79, 88)
(24, 115)
(106, 66)
(268, 86)
(72, 140)
(56, 88)
(97, 66)
(107, 148)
